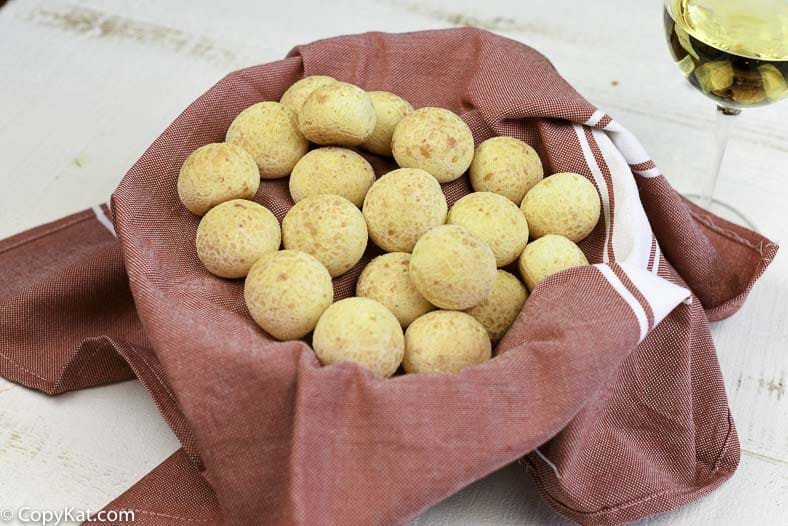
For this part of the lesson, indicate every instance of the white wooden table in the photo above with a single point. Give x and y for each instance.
(86, 86)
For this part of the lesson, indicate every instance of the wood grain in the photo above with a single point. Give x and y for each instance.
(87, 86)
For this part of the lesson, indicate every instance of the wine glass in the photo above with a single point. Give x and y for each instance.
(736, 53)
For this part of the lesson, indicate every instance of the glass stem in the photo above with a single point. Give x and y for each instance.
(722, 131)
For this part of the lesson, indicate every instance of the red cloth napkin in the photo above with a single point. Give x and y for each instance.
(610, 370)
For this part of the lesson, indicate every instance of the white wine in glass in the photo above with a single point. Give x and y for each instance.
(736, 53)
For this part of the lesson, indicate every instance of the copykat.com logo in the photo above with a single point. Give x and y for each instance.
(30, 515)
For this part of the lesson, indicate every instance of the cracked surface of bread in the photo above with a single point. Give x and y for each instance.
(232, 236)
(389, 110)
(299, 91)
(445, 342)
(546, 256)
(332, 170)
(495, 220)
(360, 330)
(215, 173)
(337, 113)
(387, 280)
(506, 166)
(286, 292)
(566, 204)
(269, 132)
(499, 310)
(328, 227)
(452, 268)
(401, 206)
(435, 140)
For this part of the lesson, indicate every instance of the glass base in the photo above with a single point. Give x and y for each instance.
(724, 210)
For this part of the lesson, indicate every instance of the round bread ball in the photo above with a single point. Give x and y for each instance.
(332, 170)
(216, 173)
(269, 132)
(546, 256)
(401, 206)
(452, 268)
(232, 236)
(495, 220)
(337, 113)
(501, 308)
(328, 227)
(506, 166)
(445, 342)
(566, 204)
(362, 331)
(389, 109)
(386, 279)
(435, 140)
(297, 93)
(286, 292)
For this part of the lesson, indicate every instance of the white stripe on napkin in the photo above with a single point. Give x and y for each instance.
(630, 235)
(631, 300)
(104, 220)
(547, 461)
(631, 231)
(627, 144)
(595, 118)
(601, 185)
(662, 295)
(655, 265)
(651, 172)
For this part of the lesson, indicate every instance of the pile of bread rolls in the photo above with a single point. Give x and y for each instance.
(439, 297)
